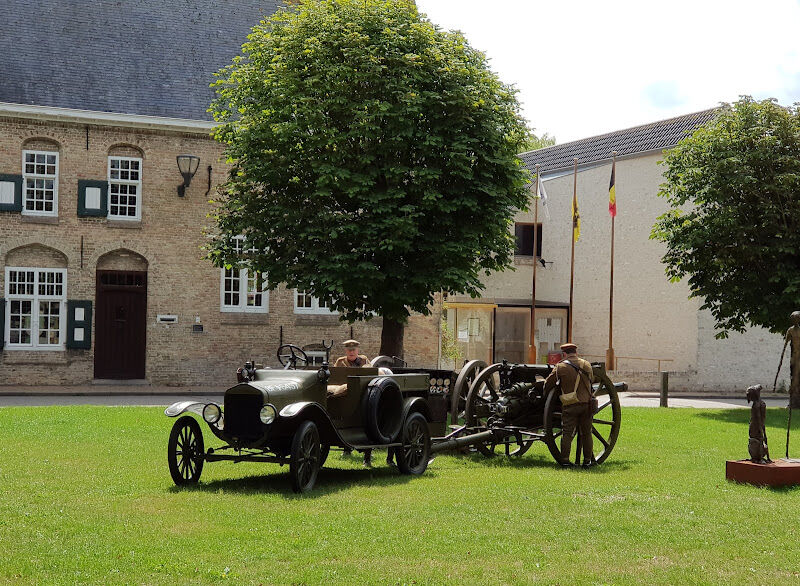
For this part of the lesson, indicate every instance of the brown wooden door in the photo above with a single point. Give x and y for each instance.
(120, 325)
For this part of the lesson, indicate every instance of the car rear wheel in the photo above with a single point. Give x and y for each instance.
(413, 456)
(305, 457)
(324, 450)
(185, 451)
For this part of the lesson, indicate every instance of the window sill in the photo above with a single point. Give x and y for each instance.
(130, 224)
(39, 219)
(523, 260)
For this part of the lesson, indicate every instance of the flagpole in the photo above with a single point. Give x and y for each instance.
(611, 359)
(572, 261)
(532, 347)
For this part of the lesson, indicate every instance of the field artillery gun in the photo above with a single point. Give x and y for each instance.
(507, 409)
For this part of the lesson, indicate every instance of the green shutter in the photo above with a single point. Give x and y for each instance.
(16, 206)
(99, 207)
(79, 327)
(2, 322)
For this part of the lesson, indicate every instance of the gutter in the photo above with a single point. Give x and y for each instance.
(105, 118)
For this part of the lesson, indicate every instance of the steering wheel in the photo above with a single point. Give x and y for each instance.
(289, 359)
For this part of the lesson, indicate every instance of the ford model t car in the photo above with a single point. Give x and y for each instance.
(285, 416)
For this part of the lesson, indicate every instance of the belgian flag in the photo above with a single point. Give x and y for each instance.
(612, 192)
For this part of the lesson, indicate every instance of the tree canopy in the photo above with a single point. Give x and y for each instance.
(734, 224)
(373, 158)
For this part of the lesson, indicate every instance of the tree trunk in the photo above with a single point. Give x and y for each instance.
(392, 338)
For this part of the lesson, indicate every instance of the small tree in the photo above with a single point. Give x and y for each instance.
(538, 142)
(734, 226)
(373, 159)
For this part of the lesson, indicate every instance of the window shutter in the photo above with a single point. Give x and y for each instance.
(92, 198)
(79, 325)
(2, 322)
(10, 193)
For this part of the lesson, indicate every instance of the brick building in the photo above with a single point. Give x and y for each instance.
(103, 275)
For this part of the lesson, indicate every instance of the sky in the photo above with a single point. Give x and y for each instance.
(586, 68)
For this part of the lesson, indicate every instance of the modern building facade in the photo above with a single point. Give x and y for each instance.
(656, 327)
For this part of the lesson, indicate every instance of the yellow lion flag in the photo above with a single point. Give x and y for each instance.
(612, 192)
(576, 218)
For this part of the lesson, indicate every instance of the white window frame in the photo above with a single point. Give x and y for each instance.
(45, 177)
(244, 288)
(35, 299)
(315, 308)
(137, 184)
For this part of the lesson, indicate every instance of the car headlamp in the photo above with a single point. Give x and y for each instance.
(267, 414)
(212, 413)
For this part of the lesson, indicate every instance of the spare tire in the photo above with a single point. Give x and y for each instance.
(383, 410)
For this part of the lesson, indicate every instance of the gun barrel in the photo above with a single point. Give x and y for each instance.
(461, 442)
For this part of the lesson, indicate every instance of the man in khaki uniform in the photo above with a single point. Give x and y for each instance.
(352, 358)
(568, 371)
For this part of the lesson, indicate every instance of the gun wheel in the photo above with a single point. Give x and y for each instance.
(465, 378)
(605, 425)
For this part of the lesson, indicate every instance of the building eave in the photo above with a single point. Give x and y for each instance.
(48, 113)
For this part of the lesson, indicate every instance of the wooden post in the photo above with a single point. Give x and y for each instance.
(664, 390)
(532, 353)
(572, 261)
(610, 358)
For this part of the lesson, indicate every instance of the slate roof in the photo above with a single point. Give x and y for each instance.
(639, 139)
(146, 57)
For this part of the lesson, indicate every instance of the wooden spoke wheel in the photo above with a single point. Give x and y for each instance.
(305, 457)
(465, 378)
(413, 457)
(605, 425)
(185, 451)
(483, 394)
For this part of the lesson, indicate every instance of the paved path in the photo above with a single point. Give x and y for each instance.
(112, 395)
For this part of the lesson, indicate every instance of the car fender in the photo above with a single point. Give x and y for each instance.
(416, 405)
(183, 406)
(293, 414)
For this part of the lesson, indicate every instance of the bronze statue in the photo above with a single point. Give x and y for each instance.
(793, 336)
(759, 451)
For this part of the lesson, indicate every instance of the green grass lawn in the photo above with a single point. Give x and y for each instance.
(87, 498)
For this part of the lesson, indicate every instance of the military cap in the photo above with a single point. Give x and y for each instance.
(351, 344)
(569, 348)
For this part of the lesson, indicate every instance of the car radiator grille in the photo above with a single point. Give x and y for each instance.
(242, 416)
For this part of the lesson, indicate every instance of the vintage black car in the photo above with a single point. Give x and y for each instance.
(285, 416)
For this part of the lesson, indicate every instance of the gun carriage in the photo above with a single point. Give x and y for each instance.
(507, 410)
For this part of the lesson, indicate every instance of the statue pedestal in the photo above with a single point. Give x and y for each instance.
(781, 472)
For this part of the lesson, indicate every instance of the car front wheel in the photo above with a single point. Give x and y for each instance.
(185, 451)
(305, 457)
(413, 456)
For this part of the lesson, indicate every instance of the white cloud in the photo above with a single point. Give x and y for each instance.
(584, 68)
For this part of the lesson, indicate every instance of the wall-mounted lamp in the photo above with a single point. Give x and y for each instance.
(544, 263)
(187, 165)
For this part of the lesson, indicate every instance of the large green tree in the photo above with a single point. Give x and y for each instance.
(373, 159)
(734, 224)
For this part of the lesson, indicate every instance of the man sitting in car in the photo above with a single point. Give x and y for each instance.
(351, 359)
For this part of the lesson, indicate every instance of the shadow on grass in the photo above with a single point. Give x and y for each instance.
(543, 461)
(329, 481)
(776, 417)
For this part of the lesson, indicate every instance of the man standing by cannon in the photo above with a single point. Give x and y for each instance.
(574, 377)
